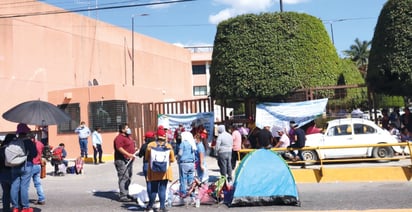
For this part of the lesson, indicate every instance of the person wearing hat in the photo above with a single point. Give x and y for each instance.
(158, 180)
(148, 138)
(284, 142)
(21, 175)
(124, 150)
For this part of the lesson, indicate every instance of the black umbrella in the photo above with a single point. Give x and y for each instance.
(36, 112)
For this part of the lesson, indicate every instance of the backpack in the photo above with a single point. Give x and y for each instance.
(159, 158)
(15, 153)
(57, 154)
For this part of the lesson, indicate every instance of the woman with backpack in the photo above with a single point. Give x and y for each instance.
(159, 172)
(21, 174)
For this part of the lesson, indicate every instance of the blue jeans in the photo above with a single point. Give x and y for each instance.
(83, 147)
(145, 167)
(157, 187)
(19, 191)
(37, 182)
(186, 176)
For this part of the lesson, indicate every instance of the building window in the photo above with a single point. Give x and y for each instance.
(198, 69)
(199, 90)
(73, 110)
(107, 114)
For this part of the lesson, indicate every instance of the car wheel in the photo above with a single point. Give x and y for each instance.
(382, 152)
(310, 155)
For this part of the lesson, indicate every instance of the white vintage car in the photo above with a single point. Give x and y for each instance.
(351, 131)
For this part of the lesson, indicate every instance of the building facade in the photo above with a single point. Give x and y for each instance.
(68, 59)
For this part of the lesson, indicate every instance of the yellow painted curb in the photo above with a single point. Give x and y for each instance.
(358, 174)
(105, 158)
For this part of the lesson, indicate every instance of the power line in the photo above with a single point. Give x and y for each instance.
(89, 9)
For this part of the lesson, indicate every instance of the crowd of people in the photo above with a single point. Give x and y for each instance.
(188, 149)
(398, 125)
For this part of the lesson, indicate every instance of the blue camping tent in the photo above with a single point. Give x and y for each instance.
(263, 178)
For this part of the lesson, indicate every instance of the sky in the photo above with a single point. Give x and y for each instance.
(193, 22)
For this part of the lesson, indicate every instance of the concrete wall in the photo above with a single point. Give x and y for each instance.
(41, 54)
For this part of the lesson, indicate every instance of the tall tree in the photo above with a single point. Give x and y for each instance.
(359, 53)
(271, 54)
(390, 60)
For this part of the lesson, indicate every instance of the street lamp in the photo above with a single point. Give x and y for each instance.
(281, 5)
(331, 28)
(134, 15)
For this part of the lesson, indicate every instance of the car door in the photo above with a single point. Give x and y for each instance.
(364, 134)
(340, 135)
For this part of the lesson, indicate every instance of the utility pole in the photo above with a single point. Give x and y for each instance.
(281, 6)
(144, 14)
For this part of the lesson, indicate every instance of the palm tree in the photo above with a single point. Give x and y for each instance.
(359, 53)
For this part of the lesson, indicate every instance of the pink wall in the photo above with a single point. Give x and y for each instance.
(42, 54)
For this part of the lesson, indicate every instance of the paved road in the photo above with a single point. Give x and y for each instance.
(96, 191)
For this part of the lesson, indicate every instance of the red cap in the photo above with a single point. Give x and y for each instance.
(149, 134)
(161, 133)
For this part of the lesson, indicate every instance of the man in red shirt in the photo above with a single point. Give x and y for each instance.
(124, 150)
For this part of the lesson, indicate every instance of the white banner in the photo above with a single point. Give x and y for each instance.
(172, 121)
(280, 114)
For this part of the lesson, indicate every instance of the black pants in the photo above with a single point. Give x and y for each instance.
(97, 149)
(234, 159)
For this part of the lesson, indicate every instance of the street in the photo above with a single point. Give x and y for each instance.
(95, 190)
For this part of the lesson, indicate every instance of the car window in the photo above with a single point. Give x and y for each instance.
(364, 129)
(339, 130)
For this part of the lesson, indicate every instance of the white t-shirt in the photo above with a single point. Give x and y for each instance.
(285, 141)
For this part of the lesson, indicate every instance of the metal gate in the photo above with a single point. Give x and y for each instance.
(142, 117)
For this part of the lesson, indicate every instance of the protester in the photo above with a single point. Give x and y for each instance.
(21, 174)
(283, 142)
(97, 145)
(83, 132)
(224, 144)
(406, 119)
(59, 157)
(186, 162)
(124, 150)
(291, 132)
(237, 145)
(5, 174)
(253, 134)
(149, 137)
(300, 140)
(200, 160)
(45, 135)
(395, 117)
(178, 137)
(36, 172)
(158, 180)
(265, 138)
